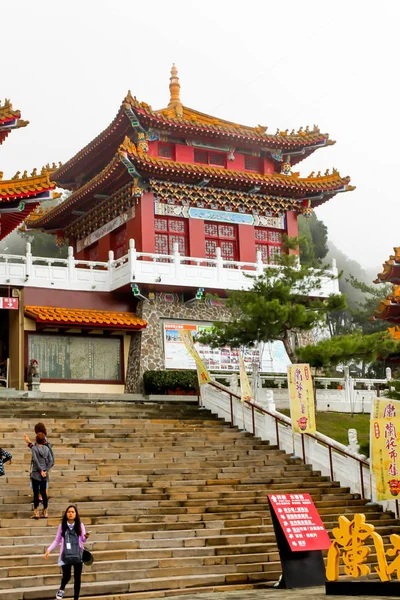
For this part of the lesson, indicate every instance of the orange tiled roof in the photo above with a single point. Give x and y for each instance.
(83, 317)
(26, 186)
(9, 119)
(128, 158)
(179, 119)
(394, 332)
(389, 309)
(391, 269)
(294, 183)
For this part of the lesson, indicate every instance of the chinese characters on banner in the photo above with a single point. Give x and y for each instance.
(301, 394)
(300, 522)
(245, 388)
(9, 303)
(385, 408)
(187, 339)
(385, 448)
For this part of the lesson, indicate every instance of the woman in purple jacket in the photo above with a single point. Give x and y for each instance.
(69, 522)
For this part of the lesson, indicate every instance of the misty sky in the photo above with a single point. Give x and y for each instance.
(68, 65)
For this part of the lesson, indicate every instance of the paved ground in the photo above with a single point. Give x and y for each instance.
(317, 593)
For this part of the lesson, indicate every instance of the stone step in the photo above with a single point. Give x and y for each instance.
(175, 501)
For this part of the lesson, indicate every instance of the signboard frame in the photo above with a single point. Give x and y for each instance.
(13, 303)
(76, 335)
(300, 567)
(224, 360)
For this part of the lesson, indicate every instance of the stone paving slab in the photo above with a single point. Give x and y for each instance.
(271, 593)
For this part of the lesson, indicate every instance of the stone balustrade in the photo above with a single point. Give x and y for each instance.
(170, 270)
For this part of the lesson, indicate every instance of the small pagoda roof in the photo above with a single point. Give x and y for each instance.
(389, 309)
(65, 317)
(9, 119)
(130, 162)
(391, 269)
(180, 121)
(20, 195)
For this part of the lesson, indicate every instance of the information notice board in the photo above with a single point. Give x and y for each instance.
(84, 358)
(300, 522)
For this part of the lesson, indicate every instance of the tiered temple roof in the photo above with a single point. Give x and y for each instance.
(9, 119)
(120, 156)
(389, 309)
(391, 269)
(20, 195)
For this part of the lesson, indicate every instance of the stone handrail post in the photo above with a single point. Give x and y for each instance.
(176, 258)
(28, 262)
(132, 258)
(110, 265)
(71, 263)
(219, 264)
(259, 263)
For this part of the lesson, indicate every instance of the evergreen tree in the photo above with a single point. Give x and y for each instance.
(280, 304)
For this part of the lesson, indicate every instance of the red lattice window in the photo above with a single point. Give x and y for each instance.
(216, 159)
(170, 231)
(269, 243)
(119, 242)
(252, 163)
(166, 150)
(221, 236)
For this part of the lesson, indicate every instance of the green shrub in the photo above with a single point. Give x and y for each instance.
(161, 382)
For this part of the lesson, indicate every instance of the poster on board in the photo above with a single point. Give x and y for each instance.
(274, 357)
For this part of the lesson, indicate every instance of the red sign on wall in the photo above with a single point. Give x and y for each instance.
(300, 522)
(9, 303)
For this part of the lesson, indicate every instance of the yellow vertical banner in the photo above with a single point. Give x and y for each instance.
(385, 457)
(202, 373)
(301, 394)
(245, 388)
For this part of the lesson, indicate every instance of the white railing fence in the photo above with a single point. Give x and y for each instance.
(139, 267)
(326, 455)
(339, 394)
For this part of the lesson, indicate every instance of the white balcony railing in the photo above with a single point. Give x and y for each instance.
(169, 270)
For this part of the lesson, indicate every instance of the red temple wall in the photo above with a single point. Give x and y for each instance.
(292, 228)
(76, 299)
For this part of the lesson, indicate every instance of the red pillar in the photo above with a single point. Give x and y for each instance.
(292, 228)
(141, 227)
(197, 242)
(104, 247)
(246, 243)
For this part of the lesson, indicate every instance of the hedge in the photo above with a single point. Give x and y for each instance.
(163, 382)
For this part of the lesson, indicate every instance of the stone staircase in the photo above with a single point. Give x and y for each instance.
(173, 497)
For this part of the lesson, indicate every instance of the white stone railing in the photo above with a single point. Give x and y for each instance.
(351, 395)
(139, 268)
(326, 455)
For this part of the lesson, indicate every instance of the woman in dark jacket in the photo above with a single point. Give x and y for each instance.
(42, 461)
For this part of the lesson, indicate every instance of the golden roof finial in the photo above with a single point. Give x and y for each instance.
(174, 89)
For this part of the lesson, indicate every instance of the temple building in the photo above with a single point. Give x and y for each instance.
(168, 209)
(389, 309)
(19, 196)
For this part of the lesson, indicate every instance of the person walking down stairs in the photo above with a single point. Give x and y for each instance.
(4, 457)
(41, 428)
(71, 535)
(42, 461)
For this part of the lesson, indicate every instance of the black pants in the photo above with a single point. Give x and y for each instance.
(36, 487)
(66, 569)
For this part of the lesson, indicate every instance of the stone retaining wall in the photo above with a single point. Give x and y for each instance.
(146, 351)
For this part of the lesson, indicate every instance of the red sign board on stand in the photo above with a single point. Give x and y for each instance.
(300, 522)
(9, 303)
